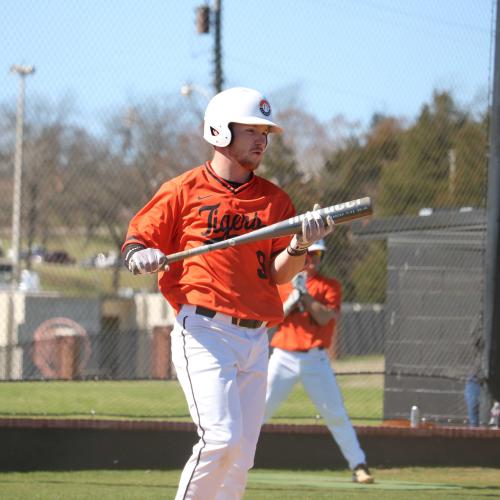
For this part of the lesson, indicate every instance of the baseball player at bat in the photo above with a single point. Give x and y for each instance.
(224, 300)
(311, 305)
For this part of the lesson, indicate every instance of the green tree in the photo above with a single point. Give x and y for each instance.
(281, 167)
(350, 172)
(471, 156)
(369, 276)
(441, 162)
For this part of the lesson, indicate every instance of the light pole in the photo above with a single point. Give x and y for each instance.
(23, 72)
(11, 371)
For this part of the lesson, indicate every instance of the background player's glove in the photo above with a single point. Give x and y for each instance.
(146, 261)
(313, 229)
(299, 282)
(291, 302)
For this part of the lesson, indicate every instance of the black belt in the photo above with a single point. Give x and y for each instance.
(246, 323)
(320, 348)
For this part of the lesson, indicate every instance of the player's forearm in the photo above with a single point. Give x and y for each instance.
(285, 266)
(321, 314)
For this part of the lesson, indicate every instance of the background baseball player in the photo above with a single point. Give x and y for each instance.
(312, 307)
(225, 299)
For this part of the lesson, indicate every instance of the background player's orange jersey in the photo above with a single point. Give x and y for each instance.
(299, 331)
(199, 207)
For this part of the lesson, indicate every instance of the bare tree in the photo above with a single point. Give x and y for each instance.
(107, 180)
(45, 127)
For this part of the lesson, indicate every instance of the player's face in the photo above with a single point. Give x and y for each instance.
(313, 260)
(248, 144)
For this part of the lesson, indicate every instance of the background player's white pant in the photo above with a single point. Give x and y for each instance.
(222, 369)
(313, 369)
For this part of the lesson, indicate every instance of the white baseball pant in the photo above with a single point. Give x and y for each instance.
(222, 369)
(313, 368)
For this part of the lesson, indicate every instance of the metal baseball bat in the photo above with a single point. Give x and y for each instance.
(340, 213)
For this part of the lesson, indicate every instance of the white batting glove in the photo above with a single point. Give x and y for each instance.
(313, 229)
(149, 260)
(291, 302)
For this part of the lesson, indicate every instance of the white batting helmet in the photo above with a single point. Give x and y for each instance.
(317, 245)
(236, 105)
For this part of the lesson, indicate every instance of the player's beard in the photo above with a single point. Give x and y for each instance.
(249, 164)
(247, 158)
(248, 161)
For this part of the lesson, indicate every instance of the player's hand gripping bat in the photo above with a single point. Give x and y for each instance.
(340, 213)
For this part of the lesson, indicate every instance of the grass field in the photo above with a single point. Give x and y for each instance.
(75, 280)
(165, 400)
(391, 484)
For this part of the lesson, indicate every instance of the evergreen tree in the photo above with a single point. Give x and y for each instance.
(441, 162)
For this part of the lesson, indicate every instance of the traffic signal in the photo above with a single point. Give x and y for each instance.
(203, 19)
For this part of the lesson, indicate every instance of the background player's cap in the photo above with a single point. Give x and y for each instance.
(236, 105)
(317, 245)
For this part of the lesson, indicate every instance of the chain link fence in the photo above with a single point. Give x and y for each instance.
(412, 276)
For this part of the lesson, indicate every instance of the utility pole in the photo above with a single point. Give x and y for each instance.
(23, 72)
(203, 13)
(218, 77)
(452, 174)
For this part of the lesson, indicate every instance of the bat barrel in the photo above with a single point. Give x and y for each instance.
(340, 213)
(344, 212)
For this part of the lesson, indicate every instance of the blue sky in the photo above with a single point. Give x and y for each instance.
(350, 57)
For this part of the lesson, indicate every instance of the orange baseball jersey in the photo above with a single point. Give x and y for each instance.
(198, 208)
(299, 331)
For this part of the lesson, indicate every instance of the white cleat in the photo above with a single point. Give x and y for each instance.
(362, 475)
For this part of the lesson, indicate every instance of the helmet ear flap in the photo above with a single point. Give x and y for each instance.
(217, 134)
